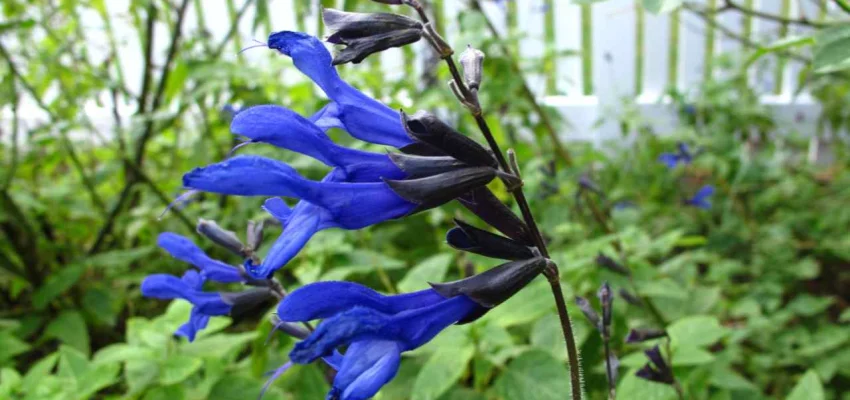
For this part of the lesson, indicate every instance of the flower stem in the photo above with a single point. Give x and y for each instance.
(551, 272)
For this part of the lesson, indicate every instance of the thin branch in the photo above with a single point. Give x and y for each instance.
(730, 5)
(844, 5)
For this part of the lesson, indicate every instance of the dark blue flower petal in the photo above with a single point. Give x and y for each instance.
(185, 250)
(367, 366)
(163, 286)
(284, 128)
(304, 221)
(328, 117)
(325, 299)
(197, 322)
(361, 116)
(411, 328)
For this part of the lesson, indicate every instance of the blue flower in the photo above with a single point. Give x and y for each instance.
(185, 250)
(358, 114)
(682, 155)
(189, 288)
(376, 329)
(702, 198)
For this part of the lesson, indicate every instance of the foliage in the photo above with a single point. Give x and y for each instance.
(753, 292)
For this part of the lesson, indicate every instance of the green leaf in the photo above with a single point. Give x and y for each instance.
(779, 45)
(140, 374)
(632, 387)
(441, 372)
(38, 372)
(809, 387)
(178, 368)
(546, 334)
(70, 328)
(688, 355)
(9, 381)
(833, 50)
(122, 352)
(73, 364)
(661, 6)
(530, 303)
(432, 269)
(57, 284)
(11, 346)
(695, 331)
(241, 387)
(101, 304)
(536, 372)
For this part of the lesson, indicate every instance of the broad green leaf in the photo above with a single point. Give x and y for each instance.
(632, 387)
(70, 328)
(661, 6)
(689, 355)
(219, 345)
(432, 269)
(536, 372)
(38, 372)
(57, 284)
(546, 334)
(779, 45)
(177, 368)
(9, 381)
(441, 372)
(809, 387)
(725, 378)
(11, 346)
(73, 364)
(95, 379)
(695, 331)
(122, 352)
(140, 374)
(832, 57)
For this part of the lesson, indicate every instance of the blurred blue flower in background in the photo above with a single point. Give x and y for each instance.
(682, 156)
(702, 198)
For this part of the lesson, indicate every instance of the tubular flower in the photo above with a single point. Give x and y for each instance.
(376, 329)
(189, 287)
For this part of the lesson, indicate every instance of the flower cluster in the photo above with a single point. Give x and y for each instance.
(430, 164)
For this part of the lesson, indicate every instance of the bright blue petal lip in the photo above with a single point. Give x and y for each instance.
(361, 116)
(702, 198)
(284, 128)
(353, 205)
(185, 250)
(325, 299)
(410, 329)
(304, 221)
(367, 366)
(163, 286)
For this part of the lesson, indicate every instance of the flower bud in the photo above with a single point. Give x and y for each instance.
(606, 298)
(466, 237)
(588, 311)
(433, 191)
(492, 287)
(246, 301)
(255, 234)
(656, 369)
(289, 328)
(484, 204)
(422, 166)
(472, 61)
(364, 34)
(643, 334)
(426, 127)
(220, 236)
(608, 263)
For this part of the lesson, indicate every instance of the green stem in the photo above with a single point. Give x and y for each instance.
(640, 14)
(779, 74)
(709, 42)
(587, 49)
(673, 51)
(844, 5)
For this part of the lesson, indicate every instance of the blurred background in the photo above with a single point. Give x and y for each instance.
(104, 105)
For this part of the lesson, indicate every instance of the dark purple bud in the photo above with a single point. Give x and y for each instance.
(588, 311)
(606, 298)
(608, 263)
(220, 236)
(654, 355)
(614, 364)
(247, 301)
(393, 2)
(364, 34)
(433, 191)
(643, 334)
(422, 166)
(466, 237)
(472, 61)
(426, 127)
(630, 298)
(588, 184)
(656, 370)
(492, 287)
(483, 203)
(289, 328)
(422, 149)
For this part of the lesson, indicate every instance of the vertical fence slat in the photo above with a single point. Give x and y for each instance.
(639, 39)
(779, 75)
(587, 49)
(237, 39)
(708, 58)
(549, 61)
(673, 50)
(747, 21)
